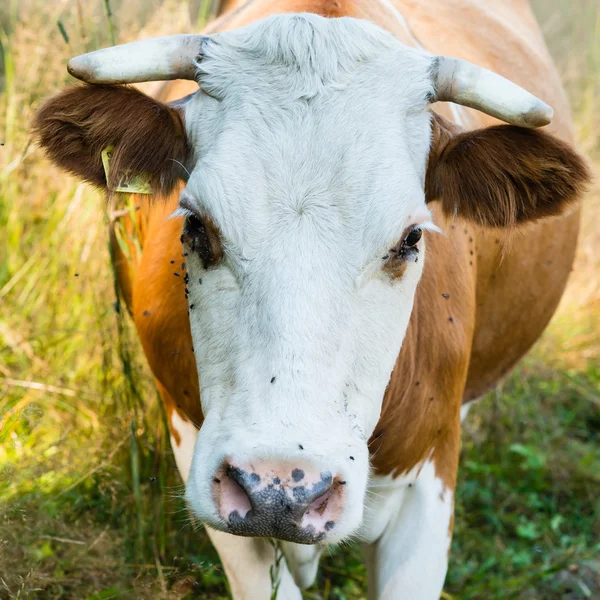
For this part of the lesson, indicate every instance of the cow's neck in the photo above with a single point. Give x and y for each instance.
(420, 416)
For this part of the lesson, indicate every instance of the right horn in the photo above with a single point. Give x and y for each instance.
(462, 82)
(155, 59)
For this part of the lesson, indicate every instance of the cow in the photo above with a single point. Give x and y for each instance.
(356, 228)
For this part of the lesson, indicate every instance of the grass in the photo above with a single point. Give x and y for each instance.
(90, 504)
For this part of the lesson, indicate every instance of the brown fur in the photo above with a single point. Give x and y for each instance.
(504, 175)
(422, 402)
(160, 312)
(149, 136)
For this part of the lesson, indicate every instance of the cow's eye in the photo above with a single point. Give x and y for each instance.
(201, 237)
(194, 228)
(407, 247)
(413, 237)
(405, 251)
(194, 232)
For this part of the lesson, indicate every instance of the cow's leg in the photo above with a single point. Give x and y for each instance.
(247, 561)
(412, 519)
(303, 562)
(466, 407)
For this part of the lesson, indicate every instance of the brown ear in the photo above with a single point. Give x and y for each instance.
(148, 136)
(502, 176)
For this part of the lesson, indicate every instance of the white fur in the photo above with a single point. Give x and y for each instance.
(409, 532)
(303, 562)
(310, 140)
(183, 451)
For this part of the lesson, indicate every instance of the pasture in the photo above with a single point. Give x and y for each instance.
(90, 499)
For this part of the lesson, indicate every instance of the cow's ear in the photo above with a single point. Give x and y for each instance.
(148, 137)
(502, 176)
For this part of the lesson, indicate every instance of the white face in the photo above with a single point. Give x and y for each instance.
(310, 140)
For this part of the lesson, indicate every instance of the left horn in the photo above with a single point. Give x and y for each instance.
(462, 82)
(156, 59)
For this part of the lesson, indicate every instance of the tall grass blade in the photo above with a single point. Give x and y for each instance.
(109, 17)
(137, 493)
(63, 31)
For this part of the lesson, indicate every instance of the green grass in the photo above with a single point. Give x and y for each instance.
(90, 500)
(527, 518)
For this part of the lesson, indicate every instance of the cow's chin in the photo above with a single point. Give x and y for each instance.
(291, 493)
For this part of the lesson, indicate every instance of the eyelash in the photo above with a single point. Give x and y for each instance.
(181, 211)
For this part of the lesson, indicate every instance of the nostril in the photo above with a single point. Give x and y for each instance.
(231, 493)
(325, 508)
(319, 504)
(318, 491)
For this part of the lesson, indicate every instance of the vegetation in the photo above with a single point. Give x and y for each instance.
(90, 501)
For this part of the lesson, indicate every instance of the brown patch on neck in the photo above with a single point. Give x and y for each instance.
(421, 408)
(160, 312)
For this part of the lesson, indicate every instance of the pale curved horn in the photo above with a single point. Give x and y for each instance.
(156, 59)
(462, 82)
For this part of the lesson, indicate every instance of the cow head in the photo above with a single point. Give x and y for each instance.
(309, 161)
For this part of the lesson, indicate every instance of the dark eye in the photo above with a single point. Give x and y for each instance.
(412, 239)
(404, 252)
(201, 236)
(194, 232)
(193, 223)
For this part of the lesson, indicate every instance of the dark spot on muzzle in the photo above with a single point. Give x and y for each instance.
(245, 480)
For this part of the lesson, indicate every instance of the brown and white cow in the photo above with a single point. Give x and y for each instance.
(335, 230)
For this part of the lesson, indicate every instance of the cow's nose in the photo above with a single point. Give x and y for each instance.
(293, 502)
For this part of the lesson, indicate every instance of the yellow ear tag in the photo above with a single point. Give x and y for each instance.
(128, 183)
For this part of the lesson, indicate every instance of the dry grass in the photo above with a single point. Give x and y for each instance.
(79, 416)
